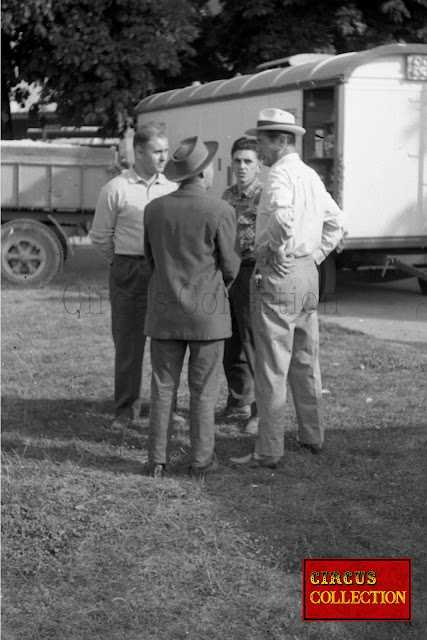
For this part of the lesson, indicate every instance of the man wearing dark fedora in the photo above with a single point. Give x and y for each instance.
(298, 225)
(192, 249)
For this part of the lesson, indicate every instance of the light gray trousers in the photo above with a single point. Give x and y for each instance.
(204, 368)
(286, 333)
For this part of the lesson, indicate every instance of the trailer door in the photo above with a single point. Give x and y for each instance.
(384, 166)
(423, 158)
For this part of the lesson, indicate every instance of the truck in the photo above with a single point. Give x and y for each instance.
(48, 194)
(365, 115)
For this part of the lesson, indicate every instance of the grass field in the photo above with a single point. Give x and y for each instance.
(93, 549)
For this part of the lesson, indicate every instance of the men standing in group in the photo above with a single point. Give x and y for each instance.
(118, 234)
(298, 225)
(192, 248)
(239, 350)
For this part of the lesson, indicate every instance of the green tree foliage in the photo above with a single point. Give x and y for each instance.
(95, 58)
(248, 32)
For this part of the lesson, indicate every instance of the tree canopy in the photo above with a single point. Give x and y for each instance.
(248, 32)
(97, 58)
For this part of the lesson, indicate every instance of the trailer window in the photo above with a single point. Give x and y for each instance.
(320, 124)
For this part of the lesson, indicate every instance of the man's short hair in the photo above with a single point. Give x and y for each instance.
(245, 144)
(273, 135)
(149, 130)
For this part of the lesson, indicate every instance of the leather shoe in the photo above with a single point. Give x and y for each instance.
(121, 422)
(254, 460)
(243, 413)
(212, 467)
(157, 471)
(315, 449)
(251, 427)
(178, 419)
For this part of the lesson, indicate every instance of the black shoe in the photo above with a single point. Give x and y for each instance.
(239, 413)
(315, 449)
(254, 460)
(121, 422)
(212, 467)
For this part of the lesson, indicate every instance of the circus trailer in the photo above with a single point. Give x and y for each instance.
(365, 115)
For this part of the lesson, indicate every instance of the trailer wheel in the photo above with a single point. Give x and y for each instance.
(328, 277)
(30, 252)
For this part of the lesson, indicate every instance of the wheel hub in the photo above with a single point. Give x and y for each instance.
(23, 257)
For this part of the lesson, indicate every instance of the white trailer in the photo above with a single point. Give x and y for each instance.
(366, 119)
(48, 193)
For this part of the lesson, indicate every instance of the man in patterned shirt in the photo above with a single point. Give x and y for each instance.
(239, 353)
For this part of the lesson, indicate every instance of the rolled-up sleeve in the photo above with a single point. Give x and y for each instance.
(104, 222)
(280, 224)
(228, 246)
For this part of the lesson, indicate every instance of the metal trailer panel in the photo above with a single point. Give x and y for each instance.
(224, 121)
(383, 194)
(53, 177)
(380, 162)
(327, 72)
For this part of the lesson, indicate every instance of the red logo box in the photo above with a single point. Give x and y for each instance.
(357, 589)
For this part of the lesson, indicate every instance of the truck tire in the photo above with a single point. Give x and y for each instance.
(327, 277)
(31, 253)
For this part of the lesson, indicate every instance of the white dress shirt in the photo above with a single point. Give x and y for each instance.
(296, 213)
(118, 224)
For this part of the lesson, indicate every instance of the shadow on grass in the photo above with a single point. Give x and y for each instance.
(344, 503)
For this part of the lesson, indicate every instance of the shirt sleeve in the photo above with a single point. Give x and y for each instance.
(333, 229)
(104, 222)
(228, 246)
(280, 196)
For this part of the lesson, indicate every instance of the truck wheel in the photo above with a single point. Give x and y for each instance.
(30, 252)
(423, 285)
(328, 277)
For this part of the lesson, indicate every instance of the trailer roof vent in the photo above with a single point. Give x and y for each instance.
(294, 61)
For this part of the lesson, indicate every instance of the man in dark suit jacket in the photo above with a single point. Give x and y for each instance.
(192, 248)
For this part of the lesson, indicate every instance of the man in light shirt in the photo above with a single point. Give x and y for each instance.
(118, 234)
(298, 225)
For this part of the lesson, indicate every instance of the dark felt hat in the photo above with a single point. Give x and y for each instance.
(191, 158)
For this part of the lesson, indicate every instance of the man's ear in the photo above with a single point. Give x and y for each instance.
(139, 151)
(283, 139)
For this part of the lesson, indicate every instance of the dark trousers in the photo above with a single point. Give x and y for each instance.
(204, 366)
(129, 277)
(239, 350)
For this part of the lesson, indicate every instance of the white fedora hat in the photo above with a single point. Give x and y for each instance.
(276, 120)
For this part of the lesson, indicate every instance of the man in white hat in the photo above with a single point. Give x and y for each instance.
(298, 225)
(192, 249)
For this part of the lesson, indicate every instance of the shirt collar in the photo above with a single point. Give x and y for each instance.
(133, 177)
(248, 191)
(252, 188)
(289, 157)
(191, 186)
